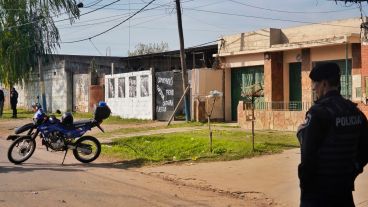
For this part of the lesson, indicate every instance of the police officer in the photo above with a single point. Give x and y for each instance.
(334, 143)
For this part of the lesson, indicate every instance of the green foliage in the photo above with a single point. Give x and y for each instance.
(27, 32)
(227, 145)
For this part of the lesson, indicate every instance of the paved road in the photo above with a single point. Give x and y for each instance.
(42, 181)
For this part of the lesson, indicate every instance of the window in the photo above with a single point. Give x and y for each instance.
(121, 87)
(144, 86)
(111, 88)
(133, 86)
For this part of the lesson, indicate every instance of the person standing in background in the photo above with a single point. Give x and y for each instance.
(14, 101)
(2, 98)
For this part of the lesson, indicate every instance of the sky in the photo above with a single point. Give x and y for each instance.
(204, 21)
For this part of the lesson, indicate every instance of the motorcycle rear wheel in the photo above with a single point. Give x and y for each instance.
(23, 147)
(87, 149)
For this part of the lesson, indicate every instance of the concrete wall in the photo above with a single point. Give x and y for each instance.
(81, 83)
(322, 30)
(204, 81)
(130, 107)
(55, 80)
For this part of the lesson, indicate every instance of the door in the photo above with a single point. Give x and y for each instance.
(295, 86)
(240, 78)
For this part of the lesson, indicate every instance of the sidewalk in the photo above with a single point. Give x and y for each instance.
(271, 176)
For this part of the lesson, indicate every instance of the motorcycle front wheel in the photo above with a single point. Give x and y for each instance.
(21, 149)
(87, 149)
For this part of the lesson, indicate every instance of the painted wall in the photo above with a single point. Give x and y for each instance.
(132, 98)
(204, 81)
(244, 60)
(321, 31)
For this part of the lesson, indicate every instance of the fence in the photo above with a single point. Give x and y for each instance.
(279, 106)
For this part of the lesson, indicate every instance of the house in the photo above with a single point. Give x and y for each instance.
(77, 83)
(72, 82)
(278, 61)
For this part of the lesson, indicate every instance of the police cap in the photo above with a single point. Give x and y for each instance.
(325, 71)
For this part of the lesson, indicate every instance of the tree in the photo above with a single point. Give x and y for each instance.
(28, 32)
(143, 49)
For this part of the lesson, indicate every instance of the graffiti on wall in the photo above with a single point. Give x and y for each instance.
(165, 91)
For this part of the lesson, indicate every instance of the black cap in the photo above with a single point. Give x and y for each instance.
(324, 71)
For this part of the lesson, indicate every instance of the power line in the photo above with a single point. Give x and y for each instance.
(69, 18)
(268, 18)
(111, 28)
(89, 11)
(94, 3)
(95, 47)
(286, 11)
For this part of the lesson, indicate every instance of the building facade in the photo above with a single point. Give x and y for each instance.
(278, 61)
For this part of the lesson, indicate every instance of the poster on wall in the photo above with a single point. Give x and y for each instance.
(144, 86)
(121, 87)
(111, 88)
(132, 86)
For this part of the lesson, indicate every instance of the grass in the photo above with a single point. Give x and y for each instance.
(111, 119)
(21, 113)
(137, 129)
(194, 146)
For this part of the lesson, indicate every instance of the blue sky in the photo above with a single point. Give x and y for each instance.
(203, 21)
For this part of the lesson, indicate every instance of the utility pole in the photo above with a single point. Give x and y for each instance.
(182, 60)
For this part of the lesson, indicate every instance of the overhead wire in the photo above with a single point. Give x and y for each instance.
(287, 11)
(268, 18)
(69, 18)
(95, 47)
(113, 27)
(95, 3)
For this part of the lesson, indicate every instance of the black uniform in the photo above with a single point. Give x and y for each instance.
(13, 102)
(334, 150)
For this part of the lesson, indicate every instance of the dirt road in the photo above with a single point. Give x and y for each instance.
(261, 181)
(42, 181)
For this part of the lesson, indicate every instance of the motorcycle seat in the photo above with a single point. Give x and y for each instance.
(81, 123)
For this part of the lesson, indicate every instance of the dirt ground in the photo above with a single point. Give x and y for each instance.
(42, 181)
(261, 181)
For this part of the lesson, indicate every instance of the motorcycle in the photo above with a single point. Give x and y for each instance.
(58, 135)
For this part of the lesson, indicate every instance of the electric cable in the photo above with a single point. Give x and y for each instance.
(286, 11)
(95, 47)
(111, 28)
(69, 18)
(268, 18)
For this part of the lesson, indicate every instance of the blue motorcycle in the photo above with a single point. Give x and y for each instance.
(58, 135)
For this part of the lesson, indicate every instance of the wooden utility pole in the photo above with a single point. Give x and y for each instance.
(182, 60)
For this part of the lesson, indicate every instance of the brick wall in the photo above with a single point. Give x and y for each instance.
(96, 94)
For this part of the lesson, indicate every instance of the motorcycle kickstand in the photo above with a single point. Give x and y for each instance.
(66, 151)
